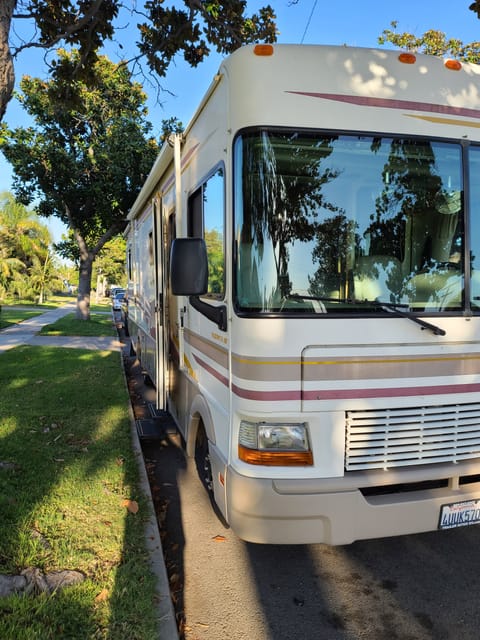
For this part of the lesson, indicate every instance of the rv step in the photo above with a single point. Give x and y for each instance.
(158, 413)
(156, 428)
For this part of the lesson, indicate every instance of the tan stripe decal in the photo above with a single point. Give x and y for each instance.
(348, 368)
(453, 121)
(354, 368)
(208, 348)
(395, 367)
(274, 369)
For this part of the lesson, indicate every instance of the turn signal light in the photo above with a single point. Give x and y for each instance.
(407, 58)
(263, 50)
(453, 65)
(275, 458)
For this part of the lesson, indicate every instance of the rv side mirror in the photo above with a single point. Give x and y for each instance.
(188, 267)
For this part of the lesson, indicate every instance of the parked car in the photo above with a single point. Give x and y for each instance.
(114, 290)
(117, 300)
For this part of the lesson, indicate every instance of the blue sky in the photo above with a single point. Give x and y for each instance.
(350, 22)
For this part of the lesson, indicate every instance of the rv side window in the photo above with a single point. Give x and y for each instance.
(129, 263)
(150, 249)
(195, 214)
(206, 219)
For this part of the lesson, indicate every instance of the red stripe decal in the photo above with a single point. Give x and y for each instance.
(344, 394)
(266, 396)
(385, 103)
(221, 378)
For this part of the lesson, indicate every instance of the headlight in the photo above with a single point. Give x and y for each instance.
(274, 444)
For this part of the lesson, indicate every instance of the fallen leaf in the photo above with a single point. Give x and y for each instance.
(102, 596)
(219, 539)
(132, 505)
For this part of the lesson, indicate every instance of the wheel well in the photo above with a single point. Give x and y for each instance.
(203, 462)
(201, 435)
(200, 420)
(196, 433)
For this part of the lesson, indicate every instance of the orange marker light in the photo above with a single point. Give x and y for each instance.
(275, 458)
(263, 50)
(407, 58)
(453, 65)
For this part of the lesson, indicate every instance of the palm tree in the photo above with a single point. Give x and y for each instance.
(22, 229)
(24, 244)
(10, 269)
(44, 277)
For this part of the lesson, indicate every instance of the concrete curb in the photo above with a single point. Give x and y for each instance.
(167, 625)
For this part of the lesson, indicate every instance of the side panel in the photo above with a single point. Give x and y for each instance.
(159, 290)
(141, 305)
(199, 396)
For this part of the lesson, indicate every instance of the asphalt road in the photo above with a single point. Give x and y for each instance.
(407, 588)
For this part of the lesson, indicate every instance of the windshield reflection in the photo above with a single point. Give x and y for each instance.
(321, 219)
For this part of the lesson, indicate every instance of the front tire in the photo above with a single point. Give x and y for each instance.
(202, 461)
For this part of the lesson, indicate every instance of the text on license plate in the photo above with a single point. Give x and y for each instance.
(459, 514)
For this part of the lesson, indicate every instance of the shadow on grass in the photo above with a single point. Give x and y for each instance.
(68, 469)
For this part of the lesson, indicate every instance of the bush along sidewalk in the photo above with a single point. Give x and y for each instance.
(73, 562)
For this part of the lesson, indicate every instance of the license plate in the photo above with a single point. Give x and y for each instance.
(459, 514)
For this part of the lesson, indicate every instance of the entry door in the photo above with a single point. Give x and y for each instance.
(160, 291)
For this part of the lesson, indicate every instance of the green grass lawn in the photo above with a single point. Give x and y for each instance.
(98, 325)
(11, 316)
(67, 469)
(50, 303)
(16, 312)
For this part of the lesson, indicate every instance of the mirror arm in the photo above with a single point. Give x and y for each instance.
(213, 313)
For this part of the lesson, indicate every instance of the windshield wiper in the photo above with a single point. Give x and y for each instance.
(396, 309)
(301, 296)
(378, 304)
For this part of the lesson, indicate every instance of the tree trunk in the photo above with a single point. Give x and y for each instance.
(7, 74)
(87, 256)
(84, 288)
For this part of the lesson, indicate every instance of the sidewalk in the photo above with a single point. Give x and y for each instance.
(25, 333)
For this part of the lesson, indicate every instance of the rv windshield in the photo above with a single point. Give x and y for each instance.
(323, 222)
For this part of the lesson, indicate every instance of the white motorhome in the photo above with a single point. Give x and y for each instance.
(304, 291)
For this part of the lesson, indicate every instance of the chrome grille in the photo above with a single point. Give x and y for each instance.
(388, 438)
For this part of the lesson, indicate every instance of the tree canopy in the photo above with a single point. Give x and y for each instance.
(163, 30)
(432, 42)
(87, 155)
